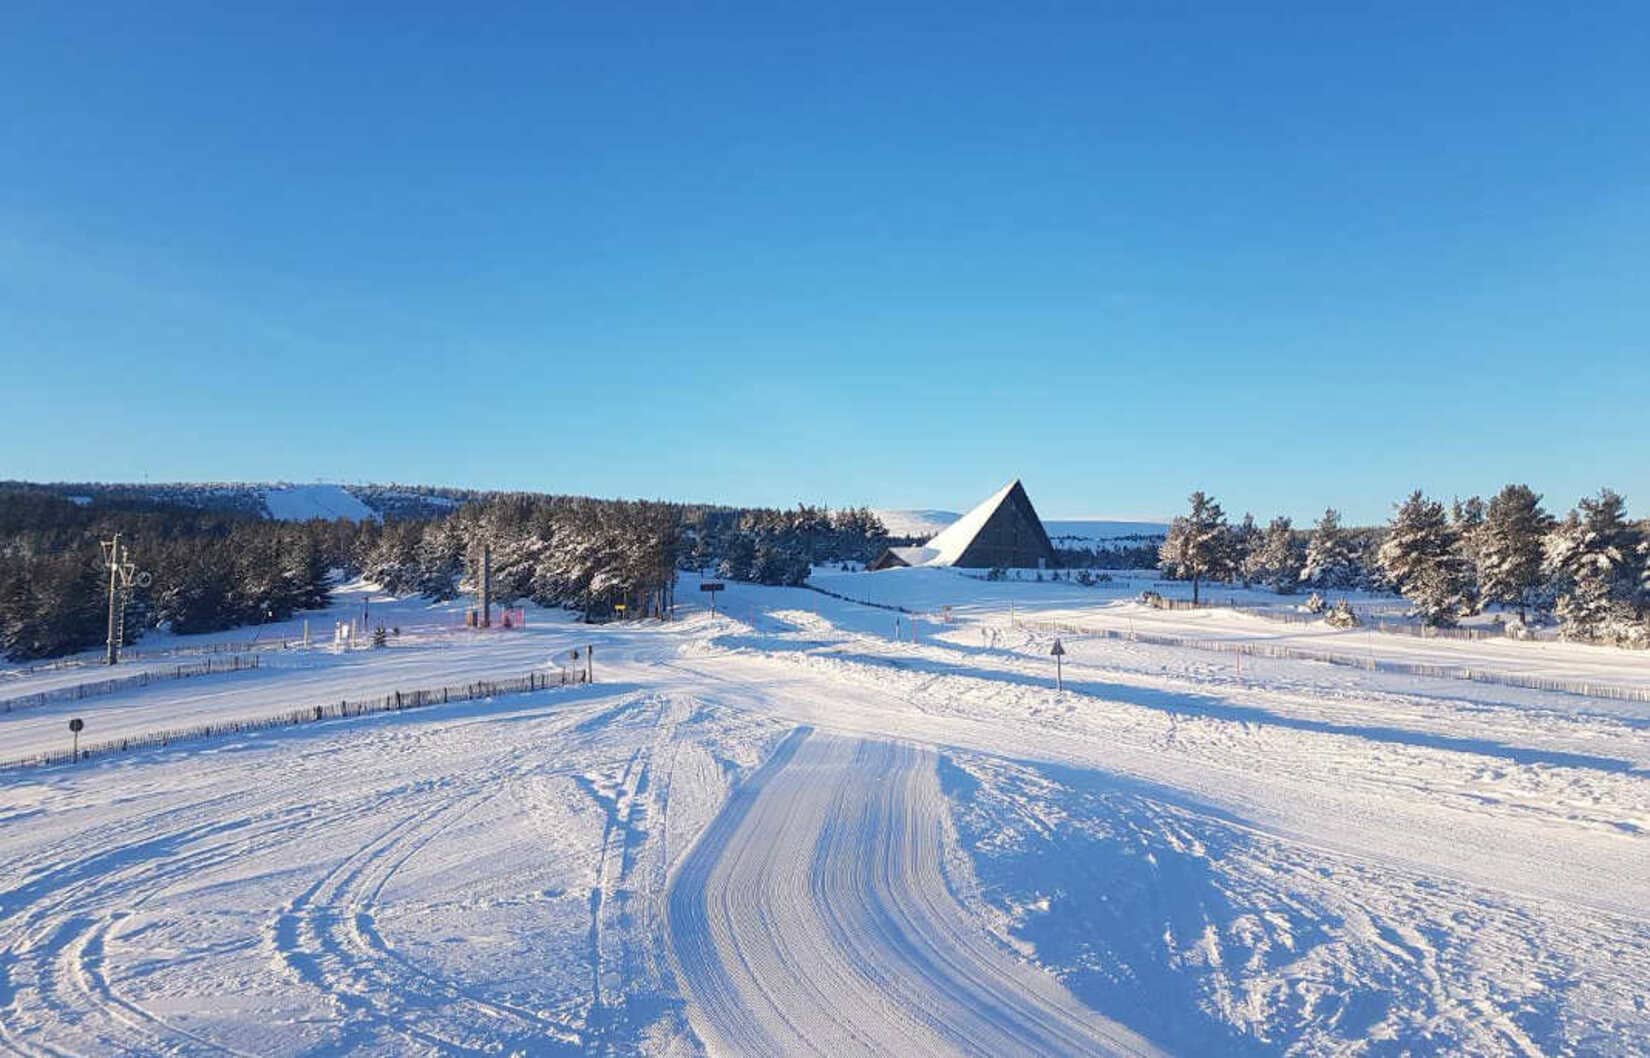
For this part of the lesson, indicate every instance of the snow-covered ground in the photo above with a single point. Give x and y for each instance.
(782, 830)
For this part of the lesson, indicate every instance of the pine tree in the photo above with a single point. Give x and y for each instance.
(1593, 557)
(737, 558)
(1467, 521)
(440, 559)
(1278, 560)
(1198, 545)
(1421, 558)
(1331, 555)
(1246, 544)
(1510, 548)
(20, 609)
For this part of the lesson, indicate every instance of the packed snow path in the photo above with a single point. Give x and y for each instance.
(815, 917)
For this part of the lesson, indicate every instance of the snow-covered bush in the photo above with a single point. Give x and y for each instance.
(1314, 603)
(1341, 615)
(1151, 598)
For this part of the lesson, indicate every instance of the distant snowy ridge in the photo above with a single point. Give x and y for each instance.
(1069, 530)
(1065, 532)
(278, 500)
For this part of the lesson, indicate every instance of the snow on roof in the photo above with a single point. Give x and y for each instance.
(949, 546)
(914, 556)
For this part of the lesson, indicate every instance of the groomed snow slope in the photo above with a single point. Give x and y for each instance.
(782, 831)
(300, 503)
(915, 522)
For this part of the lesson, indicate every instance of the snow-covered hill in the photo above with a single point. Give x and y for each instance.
(919, 522)
(300, 503)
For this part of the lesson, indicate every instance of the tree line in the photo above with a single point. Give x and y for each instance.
(225, 568)
(1589, 570)
(210, 570)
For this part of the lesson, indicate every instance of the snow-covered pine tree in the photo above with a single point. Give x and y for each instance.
(1421, 558)
(440, 557)
(1246, 542)
(1331, 555)
(1278, 559)
(1510, 548)
(1198, 546)
(1593, 558)
(1467, 520)
(737, 558)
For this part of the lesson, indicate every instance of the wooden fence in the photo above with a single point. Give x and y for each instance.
(858, 602)
(237, 646)
(115, 684)
(1584, 688)
(395, 701)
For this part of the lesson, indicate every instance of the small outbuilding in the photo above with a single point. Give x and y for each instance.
(1002, 531)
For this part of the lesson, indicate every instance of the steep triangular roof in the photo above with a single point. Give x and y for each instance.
(959, 544)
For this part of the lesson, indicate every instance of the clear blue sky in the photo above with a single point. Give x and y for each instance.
(1295, 255)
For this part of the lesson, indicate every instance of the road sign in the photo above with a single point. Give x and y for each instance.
(712, 585)
(76, 725)
(1059, 652)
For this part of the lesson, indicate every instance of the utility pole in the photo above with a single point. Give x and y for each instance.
(123, 575)
(485, 588)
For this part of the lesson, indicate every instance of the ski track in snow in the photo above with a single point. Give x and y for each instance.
(815, 918)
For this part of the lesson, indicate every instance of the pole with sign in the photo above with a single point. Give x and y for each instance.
(712, 587)
(1059, 652)
(75, 726)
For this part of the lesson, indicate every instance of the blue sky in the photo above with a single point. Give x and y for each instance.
(1291, 255)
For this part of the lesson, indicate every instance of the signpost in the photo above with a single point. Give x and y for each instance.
(76, 725)
(1059, 652)
(712, 586)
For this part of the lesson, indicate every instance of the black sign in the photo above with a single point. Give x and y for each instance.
(712, 585)
(76, 725)
(1058, 649)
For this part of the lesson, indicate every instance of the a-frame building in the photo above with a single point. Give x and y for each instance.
(1003, 531)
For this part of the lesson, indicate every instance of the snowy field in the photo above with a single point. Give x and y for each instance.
(782, 830)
